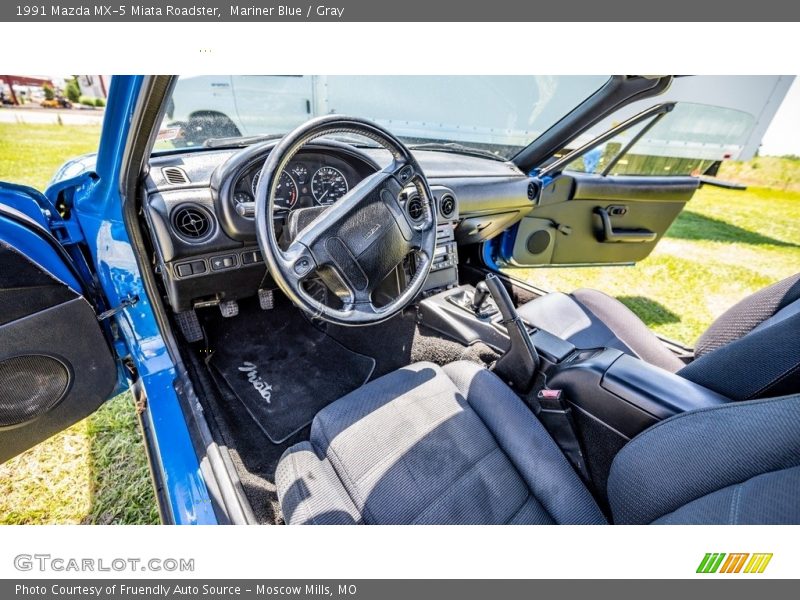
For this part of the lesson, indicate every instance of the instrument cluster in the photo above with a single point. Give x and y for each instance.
(309, 180)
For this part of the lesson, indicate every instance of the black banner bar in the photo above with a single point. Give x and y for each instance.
(403, 11)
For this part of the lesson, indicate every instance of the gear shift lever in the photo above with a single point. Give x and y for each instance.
(479, 297)
(519, 364)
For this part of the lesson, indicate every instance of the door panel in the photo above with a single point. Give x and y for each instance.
(55, 364)
(591, 219)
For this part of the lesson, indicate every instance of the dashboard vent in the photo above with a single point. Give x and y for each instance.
(533, 190)
(447, 206)
(175, 175)
(191, 222)
(415, 208)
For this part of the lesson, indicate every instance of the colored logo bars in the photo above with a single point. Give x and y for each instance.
(719, 562)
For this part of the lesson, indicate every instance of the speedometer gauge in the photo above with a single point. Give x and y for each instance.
(286, 192)
(328, 185)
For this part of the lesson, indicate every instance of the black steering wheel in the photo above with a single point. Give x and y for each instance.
(357, 242)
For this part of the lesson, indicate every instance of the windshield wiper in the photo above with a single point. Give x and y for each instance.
(238, 140)
(456, 149)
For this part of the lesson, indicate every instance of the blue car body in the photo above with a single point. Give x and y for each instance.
(94, 227)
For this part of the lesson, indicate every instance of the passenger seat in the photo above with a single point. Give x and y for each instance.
(751, 351)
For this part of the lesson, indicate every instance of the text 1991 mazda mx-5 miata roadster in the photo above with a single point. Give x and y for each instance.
(310, 312)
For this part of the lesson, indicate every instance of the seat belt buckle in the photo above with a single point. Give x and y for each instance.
(550, 399)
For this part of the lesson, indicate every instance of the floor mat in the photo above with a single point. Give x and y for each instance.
(283, 369)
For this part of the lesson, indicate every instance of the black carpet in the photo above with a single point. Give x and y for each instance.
(393, 344)
(254, 457)
(401, 341)
(283, 369)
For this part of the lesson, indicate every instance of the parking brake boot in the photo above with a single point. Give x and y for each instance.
(519, 364)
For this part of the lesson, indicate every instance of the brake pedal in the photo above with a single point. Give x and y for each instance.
(266, 299)
(189, 325)
(229, 308)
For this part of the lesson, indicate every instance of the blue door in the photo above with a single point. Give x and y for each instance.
(56, 364)
(74, 310)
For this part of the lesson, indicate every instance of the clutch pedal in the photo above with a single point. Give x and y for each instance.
(189, 325)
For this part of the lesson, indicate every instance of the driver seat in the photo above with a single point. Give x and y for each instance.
(455, 445)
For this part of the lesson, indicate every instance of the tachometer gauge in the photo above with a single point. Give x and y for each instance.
(285, 194)
(328, 185)
(254, 181)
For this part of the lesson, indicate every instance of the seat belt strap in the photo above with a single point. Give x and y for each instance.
(555, 414)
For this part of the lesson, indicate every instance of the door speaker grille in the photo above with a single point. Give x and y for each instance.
(30, 386)
(538, 241)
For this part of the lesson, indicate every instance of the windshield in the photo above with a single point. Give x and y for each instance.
(495, 114)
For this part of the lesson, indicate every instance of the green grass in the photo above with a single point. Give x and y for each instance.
(95, 471)
(775, 172)
(724, 246)
(30, 154)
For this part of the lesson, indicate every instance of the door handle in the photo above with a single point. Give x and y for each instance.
(629, 236)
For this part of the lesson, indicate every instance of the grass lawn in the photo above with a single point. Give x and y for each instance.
(775, 172)
(725, 245)
(30, 154)
(96, 471)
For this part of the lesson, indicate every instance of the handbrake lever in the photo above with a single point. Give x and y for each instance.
(519, 364)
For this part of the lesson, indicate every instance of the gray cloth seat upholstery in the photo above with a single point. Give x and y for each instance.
(454, 445)
(591, 319)
(749, 352)
(430, 444)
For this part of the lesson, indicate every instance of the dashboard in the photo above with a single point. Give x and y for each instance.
(199, 209)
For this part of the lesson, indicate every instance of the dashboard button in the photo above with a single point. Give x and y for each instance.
(184, 270)
(302, 266)
(252, 257)
(198, 267)
(218, 263)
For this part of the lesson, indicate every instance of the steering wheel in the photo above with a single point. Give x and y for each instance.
(359, 240)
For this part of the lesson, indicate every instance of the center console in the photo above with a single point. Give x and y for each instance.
(611, 396)
(444, 270)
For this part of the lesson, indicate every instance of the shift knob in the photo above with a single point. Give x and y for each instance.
(480, 295)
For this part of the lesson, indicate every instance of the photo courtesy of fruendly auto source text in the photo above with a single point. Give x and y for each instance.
(515, 285)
